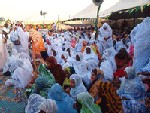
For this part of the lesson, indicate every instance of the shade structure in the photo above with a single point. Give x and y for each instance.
(88, 12)
(123, 5)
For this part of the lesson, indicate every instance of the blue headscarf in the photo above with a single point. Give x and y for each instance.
(64, 101)
(42, 84)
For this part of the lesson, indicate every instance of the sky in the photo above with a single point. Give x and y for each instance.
(30, 9)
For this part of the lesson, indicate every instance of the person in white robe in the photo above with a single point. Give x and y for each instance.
(11, 62)
(80, 66)
(76, 86)
(105, 38)
(91, 58)
(20, 77)
(3, 49)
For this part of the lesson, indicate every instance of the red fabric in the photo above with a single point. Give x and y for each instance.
(119, 73)
(73, 43)
(58, 73)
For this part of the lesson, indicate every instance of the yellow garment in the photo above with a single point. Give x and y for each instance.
(66, 81)
(94, 49)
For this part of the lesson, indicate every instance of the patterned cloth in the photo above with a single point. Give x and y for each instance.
(11, 100)
(106, 97)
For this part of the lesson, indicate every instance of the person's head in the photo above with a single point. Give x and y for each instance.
(72, 83)
(75, 80)
(105, 27)
(88, 50)
(42, 83)
(67, 89)
(68, 50)
(67, 72)
(44, 55)
(37, 62)
(84, 43)
(6, 25)
(94, 75)
(77, 57)
(48, 106)
(120, 60)
(34, 102)
(124, 41)
(51, 61)
(130, 73)
(50, 32)
(54, 53)
(63, 57)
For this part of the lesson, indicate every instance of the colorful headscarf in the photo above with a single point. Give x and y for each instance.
(63, 100)
(88, 105)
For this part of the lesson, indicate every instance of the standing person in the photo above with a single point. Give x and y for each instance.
(37, 43)
(3, 50)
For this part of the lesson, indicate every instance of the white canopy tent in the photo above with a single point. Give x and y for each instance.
(122, 5)
(88, 12)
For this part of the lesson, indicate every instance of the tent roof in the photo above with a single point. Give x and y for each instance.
(88, 12)
(122, 5)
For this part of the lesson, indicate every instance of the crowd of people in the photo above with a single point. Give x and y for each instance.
(75, 71)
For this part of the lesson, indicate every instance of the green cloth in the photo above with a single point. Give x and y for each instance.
(87, 102)
(44, 81)
(43, 72)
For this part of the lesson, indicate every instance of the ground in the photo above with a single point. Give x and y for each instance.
(12, 100)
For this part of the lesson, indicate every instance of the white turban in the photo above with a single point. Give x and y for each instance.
(130, 72)
(48, 106)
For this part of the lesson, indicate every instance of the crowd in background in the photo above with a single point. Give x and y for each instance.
(75, 71)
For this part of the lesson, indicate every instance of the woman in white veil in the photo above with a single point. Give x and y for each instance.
(3, 49)
(91, 58)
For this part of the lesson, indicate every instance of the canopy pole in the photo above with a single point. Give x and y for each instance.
(134, 18)
(96, 22)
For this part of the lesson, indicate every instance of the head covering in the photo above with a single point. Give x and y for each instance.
(80, 55)
(44, 55)
(91, 58)
(79, 87)
(110, 52)
(48, 106)
(63, 100)
(130, 72)
(88, 105)
(42, 83)
(105, 30)
(51, 60)
(34, 102)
